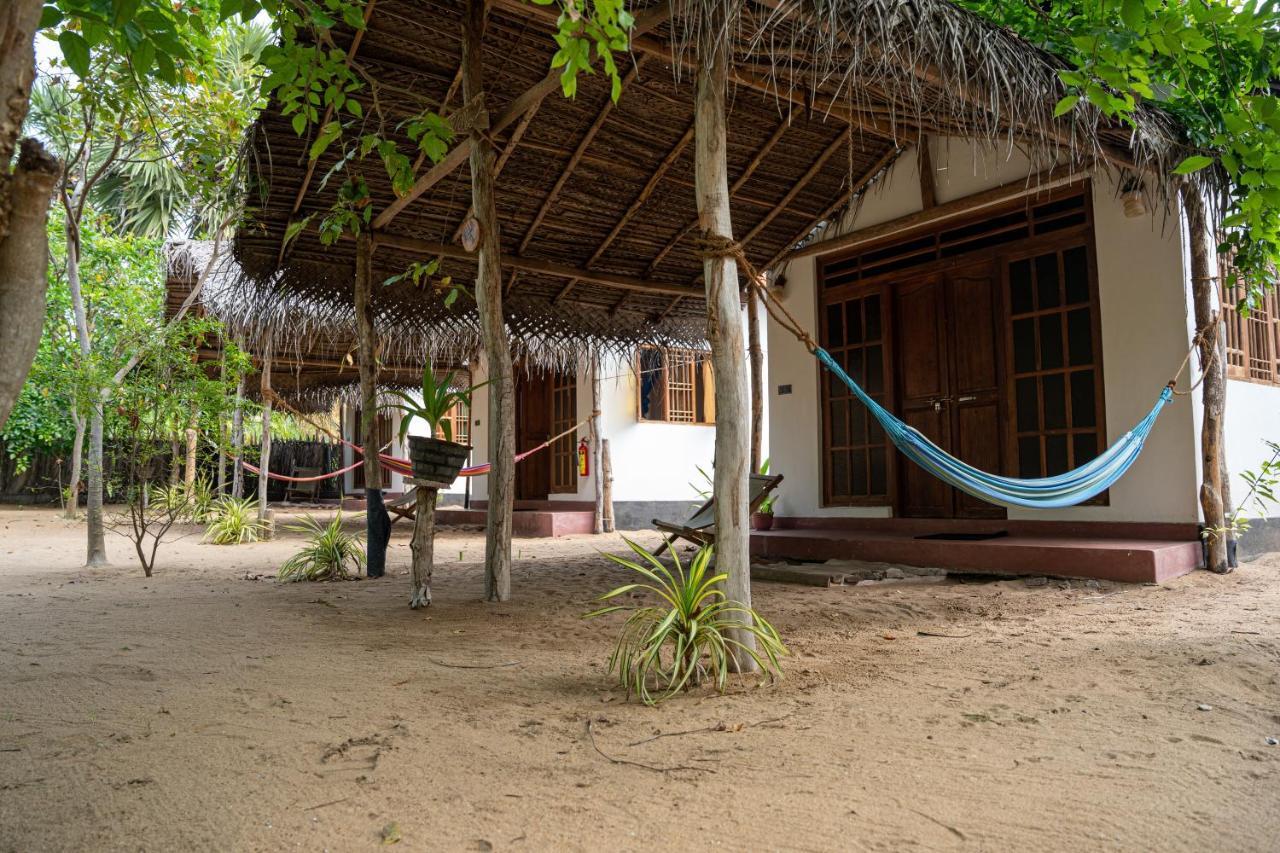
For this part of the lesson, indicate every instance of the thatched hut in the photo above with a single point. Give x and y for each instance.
(753, 122)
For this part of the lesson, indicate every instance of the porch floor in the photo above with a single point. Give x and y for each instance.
(1128, 559)
(529, 519)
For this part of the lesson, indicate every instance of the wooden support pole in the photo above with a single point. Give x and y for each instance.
(488, 289)
(377, 521)
(1204, 291)
(724, 331)
(755, 356)
(423, 545)
(597, 473)
(606, 488)
(924, 166)
(237, 442)
(264, 456)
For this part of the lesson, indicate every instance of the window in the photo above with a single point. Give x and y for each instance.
(564, 450)
(1253, 339)
(676, 386)
(1055, 367)
(856, 448)
(460, 421)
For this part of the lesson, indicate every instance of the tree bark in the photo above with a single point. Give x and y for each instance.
(1228, 506)
(1213, 390)
(77, 458)
(237, 442)
(25, 192)
(724, 331)
(24, 260)
(606, 472)
(96, 551)
(501, 388)
(755, 356)
(597, 473)
(189, 467)
(423, 546)
(264, 456)
(377, 521)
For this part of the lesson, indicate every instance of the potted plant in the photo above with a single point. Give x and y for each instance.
(435, 460)
(762, 518)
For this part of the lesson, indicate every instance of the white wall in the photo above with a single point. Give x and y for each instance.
(1144, 315)
(1253, 418)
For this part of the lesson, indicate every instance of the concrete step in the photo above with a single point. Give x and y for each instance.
(527, 524)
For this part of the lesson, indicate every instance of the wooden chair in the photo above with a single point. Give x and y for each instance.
(699, 528)
(309, 491)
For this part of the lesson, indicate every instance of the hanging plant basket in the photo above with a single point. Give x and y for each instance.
(436, 460)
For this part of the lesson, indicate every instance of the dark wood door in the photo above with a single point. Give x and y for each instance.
(533, 427)
(950, 383)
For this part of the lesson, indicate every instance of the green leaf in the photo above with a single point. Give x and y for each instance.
(325, 138)
(299, 123)
(1066, 105)
(75, 50)
(1134, 14)
(1192, 164)
(51, 16)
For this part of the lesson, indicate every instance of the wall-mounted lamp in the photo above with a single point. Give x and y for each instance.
(1135, 204)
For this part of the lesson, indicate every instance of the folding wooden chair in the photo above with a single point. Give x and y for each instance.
(310, 490)
(699, 528)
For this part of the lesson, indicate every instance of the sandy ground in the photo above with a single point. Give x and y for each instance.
(200, 710)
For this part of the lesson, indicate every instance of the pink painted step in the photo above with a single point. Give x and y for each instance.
(529, 524)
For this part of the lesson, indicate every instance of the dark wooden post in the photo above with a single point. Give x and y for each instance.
(724, 330)
(755, 355)
(501, 388)
(1213, 391)
(377, 522)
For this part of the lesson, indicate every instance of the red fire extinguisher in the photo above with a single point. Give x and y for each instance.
(584, 459)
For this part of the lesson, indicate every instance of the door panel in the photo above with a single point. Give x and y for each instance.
(923, 380)
(533, 427)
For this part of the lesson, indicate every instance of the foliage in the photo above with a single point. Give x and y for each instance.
(766, 505)
(328, 552)
(686, 639)
(234, 521)
(192, 503)
(437, 400)
(1264, 486)
(1208, 62)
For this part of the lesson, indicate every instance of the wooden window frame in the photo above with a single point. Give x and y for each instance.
(563, 478)
(699, 360)
(1245, 332)
(1002, 255)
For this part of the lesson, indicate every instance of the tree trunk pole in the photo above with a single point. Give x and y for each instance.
(264, 457)
(501, 388)
(423, 546)
(597, 474)
(237, 442)
(1228, 506)
(377, 521)
(606, 489)
(756, 358)
(189, 468)
(77, 458)
(97, 542)
(222, 432)
(1213, 391)
(724, 331)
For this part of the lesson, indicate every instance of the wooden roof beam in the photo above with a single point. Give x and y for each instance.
(795, 190)
(583, 145)
(536, 266)
(527, 100)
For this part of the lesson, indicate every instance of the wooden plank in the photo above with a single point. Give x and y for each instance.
(537, 265)
(924, 166)
(1029, 186)
(583, 144)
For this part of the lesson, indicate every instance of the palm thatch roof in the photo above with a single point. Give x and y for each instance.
(596, 201)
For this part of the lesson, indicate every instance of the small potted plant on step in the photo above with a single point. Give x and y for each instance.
(435, 460)
(762, 518)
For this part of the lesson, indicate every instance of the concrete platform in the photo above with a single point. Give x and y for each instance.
(530, 519)
(1067, 552)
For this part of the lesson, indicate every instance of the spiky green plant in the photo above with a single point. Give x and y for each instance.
(436, 400)
(234, 521)
(686, 639)
(328, 552)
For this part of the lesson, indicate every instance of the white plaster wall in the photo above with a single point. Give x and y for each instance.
(1144, 313)
(1253, 418)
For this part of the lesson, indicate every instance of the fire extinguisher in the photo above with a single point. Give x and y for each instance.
(584, 459)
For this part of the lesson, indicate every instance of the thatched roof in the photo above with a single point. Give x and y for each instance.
(596, 202)
(311, 369)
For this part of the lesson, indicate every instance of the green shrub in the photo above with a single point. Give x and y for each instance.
(684, 640)
(328, 552)
(234, 521)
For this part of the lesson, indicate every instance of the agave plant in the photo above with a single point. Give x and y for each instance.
(234, 521)
(437, 400)
(327, 554)
(687, 638)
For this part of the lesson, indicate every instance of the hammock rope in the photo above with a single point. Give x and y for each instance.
(1061, 490)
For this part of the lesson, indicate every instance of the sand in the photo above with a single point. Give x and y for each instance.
(211, 708)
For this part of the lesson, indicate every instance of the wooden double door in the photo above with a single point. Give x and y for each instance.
(546, 406)
(950, 381)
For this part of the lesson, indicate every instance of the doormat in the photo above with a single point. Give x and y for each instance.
(965, 537)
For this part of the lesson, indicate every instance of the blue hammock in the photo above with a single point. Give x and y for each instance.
(1073, 487)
